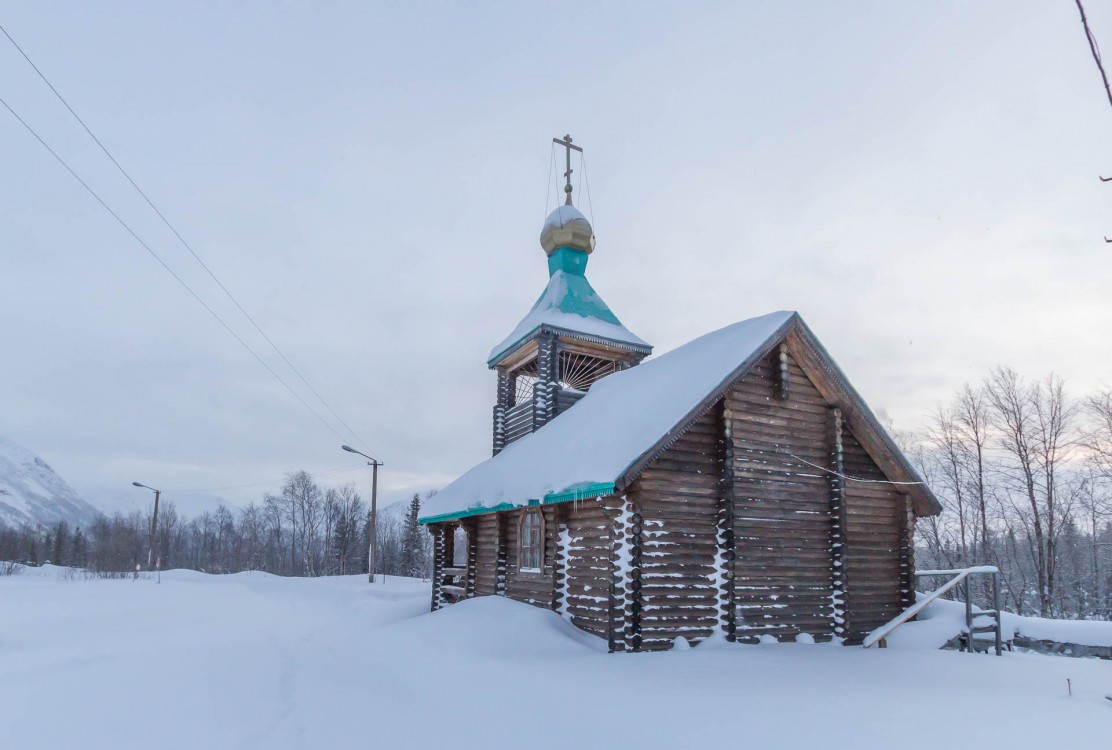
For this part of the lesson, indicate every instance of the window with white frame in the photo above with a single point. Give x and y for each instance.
(530, 557)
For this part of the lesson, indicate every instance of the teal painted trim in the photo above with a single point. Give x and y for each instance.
(580, 298)
(570, 293)
(568, 496)
(626, 345)
(568, 260)
(582, 493)
(465, 513)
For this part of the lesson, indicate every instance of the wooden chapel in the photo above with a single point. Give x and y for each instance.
(737, 485)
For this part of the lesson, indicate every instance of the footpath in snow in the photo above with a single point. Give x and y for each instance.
(256, 661)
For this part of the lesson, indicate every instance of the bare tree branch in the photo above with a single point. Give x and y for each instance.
(1096, 53)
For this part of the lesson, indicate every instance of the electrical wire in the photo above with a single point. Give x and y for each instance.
(849, 478)
(181, 239)
(169, 270)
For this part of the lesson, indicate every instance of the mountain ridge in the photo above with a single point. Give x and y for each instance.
(31, 492)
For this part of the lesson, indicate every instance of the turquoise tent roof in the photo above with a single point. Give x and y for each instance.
(570, 304)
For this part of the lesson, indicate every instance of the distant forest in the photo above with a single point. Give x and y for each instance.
(304, 530)
(1022, 468)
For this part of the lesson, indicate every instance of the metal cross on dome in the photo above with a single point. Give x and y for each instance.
(568, 146)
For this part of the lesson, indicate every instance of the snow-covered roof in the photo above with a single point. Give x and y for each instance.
(569, 303)
(621, 418)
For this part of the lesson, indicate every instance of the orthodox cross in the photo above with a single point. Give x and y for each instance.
(568, 146)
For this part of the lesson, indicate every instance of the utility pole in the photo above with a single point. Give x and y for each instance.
(374, 463)
(154, 528)
(374, 522)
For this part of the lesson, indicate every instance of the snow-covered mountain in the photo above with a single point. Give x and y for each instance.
(30, 491)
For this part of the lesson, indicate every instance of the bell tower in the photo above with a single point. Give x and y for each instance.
(568, 341)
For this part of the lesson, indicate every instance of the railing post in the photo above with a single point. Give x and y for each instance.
(968, 615)
(996, 606)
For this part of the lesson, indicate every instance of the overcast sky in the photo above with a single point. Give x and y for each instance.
(918, 180)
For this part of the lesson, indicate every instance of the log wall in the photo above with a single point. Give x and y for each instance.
(486, 559)
(587, 570)
(675, 501)
(577, 576)
(874, 575)
(782, 510)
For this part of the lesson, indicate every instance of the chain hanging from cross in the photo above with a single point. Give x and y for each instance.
(568, 147)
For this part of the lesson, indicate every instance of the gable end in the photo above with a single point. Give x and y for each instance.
(832, 383)
(704, 406)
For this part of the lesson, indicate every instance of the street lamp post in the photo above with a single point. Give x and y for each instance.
(373, 533)
(154, 526)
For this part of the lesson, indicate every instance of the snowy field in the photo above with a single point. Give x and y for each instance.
(256, 661)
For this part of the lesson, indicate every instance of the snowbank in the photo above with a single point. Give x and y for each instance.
(944, 619)
(253, 661)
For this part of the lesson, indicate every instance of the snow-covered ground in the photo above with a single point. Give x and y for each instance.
(256, 661)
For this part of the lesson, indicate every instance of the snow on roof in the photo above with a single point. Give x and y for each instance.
(623, 416)
(570, 303)
(562, 216)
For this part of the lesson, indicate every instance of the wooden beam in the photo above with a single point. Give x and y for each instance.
(471, 527)
(612, 506)
(437, 531)
(501, 553)
(544, 391)
(727, 547)
(559, 561)
(504, 399)
(907, 553)
(782, 379)
(633, 615)
(837, 524)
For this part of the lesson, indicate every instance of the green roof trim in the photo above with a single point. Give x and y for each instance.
(569, 260)
(569, 303)
(567, 496)
(579, 297)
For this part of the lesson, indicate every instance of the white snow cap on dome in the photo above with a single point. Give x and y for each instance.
(564, 215)
(567, 227)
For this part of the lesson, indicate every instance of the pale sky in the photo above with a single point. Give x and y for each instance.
(918, 180)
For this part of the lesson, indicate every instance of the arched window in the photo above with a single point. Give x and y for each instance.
(459, 547)
(530, 553)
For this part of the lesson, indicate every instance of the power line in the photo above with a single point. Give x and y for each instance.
(181, 239)
(847, 477)
(169, 270)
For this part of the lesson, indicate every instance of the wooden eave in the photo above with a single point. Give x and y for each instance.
(832, 383)
(521, 351)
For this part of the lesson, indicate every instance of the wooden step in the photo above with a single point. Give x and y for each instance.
(455, 572)
(454, 591)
